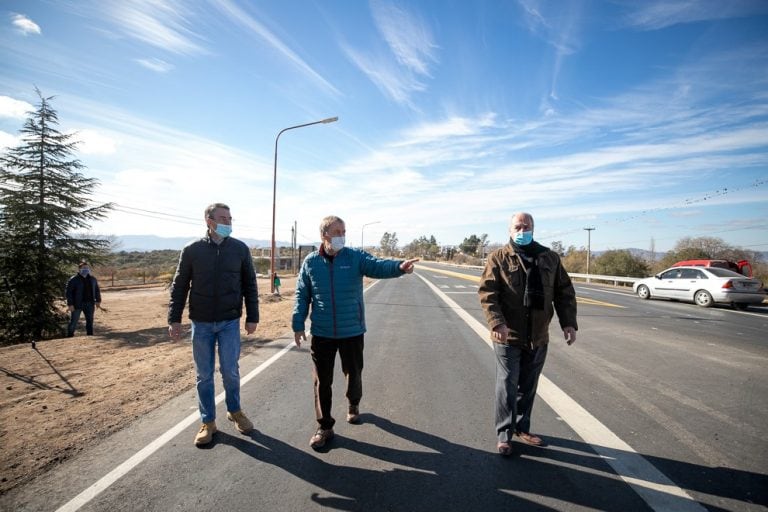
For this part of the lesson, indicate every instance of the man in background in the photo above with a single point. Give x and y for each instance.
(83, 296)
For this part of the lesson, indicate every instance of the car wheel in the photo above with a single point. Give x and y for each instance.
(703, 299)
(643, 292)
(741, 306)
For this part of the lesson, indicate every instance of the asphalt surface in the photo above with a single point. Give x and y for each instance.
(658, 406)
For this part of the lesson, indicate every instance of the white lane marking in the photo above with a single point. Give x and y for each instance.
(628, 293)
(120, 471)
(104, 482)
(655, 488)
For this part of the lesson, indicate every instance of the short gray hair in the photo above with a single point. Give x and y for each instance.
(327, 222)
(212, 208)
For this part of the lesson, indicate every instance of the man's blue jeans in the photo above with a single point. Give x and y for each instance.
(87, 310)
(204, 338)
(517, 376)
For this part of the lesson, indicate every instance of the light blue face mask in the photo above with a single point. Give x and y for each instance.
(337, 243)
(223, 230)
(84, 272)
(523, 238)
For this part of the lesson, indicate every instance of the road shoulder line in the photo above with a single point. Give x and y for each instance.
(655, 488)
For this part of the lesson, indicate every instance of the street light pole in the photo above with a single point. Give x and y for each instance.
(362, 245)
(589, 248)
(274, 194)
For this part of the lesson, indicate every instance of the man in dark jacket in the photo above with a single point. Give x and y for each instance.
(83, 295)
(522, 286)
(330, 283)
(217, 274)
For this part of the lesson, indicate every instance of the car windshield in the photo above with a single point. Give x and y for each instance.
(721, 272)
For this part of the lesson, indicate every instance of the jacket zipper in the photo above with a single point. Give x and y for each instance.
(333, 299)
(528, 313)
(216, 284)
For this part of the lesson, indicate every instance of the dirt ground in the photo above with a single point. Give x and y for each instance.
(66, 393)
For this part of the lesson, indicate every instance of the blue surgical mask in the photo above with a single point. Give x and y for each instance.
(337, 243)
(523, 238)
(223, 230)
(84, 272)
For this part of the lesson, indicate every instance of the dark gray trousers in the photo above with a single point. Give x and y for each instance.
(517, 376)
(323, 352)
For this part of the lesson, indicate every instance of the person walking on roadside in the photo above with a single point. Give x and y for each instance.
(522, 286)
(83, 296)
(330, 284)
(276, 283)
(217, 274)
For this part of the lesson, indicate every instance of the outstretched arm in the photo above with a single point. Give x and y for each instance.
(407, 265)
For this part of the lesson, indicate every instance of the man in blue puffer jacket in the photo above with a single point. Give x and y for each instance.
(331, 283)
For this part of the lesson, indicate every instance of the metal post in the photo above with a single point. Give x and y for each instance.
(589, 248)
(274, 194)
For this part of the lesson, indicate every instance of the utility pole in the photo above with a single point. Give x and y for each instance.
(293, 247)
(589, 247)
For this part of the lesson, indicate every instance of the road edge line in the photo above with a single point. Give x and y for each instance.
(653, 486)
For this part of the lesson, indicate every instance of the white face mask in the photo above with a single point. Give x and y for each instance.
(337, 243)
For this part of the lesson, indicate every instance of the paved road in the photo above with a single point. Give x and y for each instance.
(659, 406)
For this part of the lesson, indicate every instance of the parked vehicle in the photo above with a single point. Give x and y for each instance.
(742, 267)
(703, 285)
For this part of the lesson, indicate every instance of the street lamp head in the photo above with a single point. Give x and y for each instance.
(330, 120)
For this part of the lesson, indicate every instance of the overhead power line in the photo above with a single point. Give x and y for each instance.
(686, 203)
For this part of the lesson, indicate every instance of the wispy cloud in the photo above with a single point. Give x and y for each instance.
(658, 14)
(25, 25)
(411, 52)
(386, 76)
(8, 140)
(558, 29)
(452, 127)
(409, 39)
(672, 147)
(13, 108)
(155, 64)
(164, 24)
(94, 142)
(238, 15)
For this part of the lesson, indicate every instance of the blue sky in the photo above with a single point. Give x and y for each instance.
(645, 120)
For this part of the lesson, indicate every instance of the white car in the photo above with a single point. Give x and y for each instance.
(703, 285)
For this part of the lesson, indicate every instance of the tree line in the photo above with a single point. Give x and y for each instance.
(617, 262)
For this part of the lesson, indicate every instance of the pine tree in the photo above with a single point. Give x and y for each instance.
(44, 202)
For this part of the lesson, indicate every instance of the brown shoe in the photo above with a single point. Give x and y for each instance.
(531, 439)
(504, 448)
(205, 435)
(353, 416)
(241, 421)
(320, 438)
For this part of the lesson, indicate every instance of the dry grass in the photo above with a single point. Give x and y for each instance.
(68, 392)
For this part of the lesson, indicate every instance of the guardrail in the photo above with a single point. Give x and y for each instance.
(612, 279)
(587, 277)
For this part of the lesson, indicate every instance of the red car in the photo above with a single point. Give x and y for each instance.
(743, 267)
